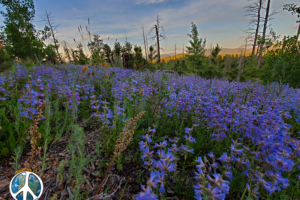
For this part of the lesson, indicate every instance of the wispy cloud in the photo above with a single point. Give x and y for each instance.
(177, 35)
(219, 21)
(149, 1)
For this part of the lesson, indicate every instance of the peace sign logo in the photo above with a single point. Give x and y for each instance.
(26, 185)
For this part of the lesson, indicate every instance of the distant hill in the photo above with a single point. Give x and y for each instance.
(223, 51)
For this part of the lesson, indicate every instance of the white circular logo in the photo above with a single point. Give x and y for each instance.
(26, 185)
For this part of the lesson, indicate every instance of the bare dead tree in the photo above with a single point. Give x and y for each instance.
(210, 53)
(264, 32)
(246, 45)
(158, 35)
(267, 18)
(145, 44)
(254, 10)
(245, 48)
(294, 10)
(48, 19)
(67, 51)
(240, 67)
(175, 51)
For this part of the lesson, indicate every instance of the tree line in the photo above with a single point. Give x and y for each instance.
(270, 59)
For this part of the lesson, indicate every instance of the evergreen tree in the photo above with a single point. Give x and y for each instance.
(152, 54)
(79, 57)
(215, 51)
(116, 54)
(107, 52)
(117, 49)
(96, 46)
(196, 52)
(139, 61)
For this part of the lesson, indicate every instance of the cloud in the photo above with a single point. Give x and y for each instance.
(177, 35)
(149, 1)
(219, 21)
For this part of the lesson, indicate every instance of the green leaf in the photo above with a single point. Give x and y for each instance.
(42, 130)
(2, 145)
(10, 130)
(2, 113)
(139, 132)
(149, 102)
(5, 151)
(12, 141)
(162, 138)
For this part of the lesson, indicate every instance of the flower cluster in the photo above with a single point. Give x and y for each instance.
(265, 120)
(168, 155)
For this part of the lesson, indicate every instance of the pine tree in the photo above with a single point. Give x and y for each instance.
(152, 54)
(139, 61)
(196, 52)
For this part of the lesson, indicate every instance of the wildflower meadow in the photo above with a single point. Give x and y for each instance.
(97, 132)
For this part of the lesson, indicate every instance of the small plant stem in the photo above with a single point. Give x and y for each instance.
(244, 194)
(106, 173)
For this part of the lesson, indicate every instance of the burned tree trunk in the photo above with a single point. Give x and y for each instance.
(125, 60)
(264, 34)
(145, 44)
(111, 62)
(157, 39)
(257, 26)
(158, 36)
(52, 29)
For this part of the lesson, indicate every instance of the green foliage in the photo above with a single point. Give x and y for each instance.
(17, 155)
(6, 66)
(6, 134)
(196, 52)
(107, 52)
(180, 66)
(5, 151)
(21, 37)
(50, 52)
(282, 63)
(139, 61)
(61, 119)
(216, 50)
(79, 58)
(127, 47)
(117, 49)
(3, 55)
(292, 8)
(131, 60)
(79, 159)
(97, 55)
(152, 54)
(210, 72)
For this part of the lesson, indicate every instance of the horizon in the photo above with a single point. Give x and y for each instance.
(218, 21)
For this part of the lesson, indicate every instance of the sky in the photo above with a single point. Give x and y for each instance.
(218, 21)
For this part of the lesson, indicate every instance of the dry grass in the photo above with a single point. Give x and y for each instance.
(35, 136)
(123, 141)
